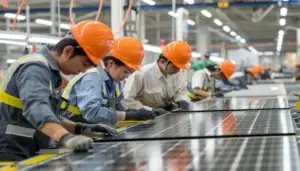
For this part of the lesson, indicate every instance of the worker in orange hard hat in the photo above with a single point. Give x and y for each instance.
(297, 70)
(97, 95)
(29, 103)
(252, 74)
(202, 85)
(160, 86)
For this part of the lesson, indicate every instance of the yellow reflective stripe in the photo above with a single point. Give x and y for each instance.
(193, 96)
(73, 109)
(6, 163)
(37, 159)
(117, 91)
(10, 100)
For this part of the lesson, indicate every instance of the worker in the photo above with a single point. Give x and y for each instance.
(203, 63)
(97, 93)
(252, 74)
(160, 86)
(297, 71)
(202, 85)
(29, 106)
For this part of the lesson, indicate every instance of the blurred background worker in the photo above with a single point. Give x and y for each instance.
(297, 71)
(251, 75)
(203, 63)
(97, 93)
(202, 85)
(160, 86)
(29, 107)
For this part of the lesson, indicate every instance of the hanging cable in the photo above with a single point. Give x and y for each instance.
(126, 17)
(18, 12)
(71, 11)
(99, 10)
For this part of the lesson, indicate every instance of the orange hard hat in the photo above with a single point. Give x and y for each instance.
(253, 71)
(94, 37)
(260, 68)
(179, 53)
(227, 68)
(128, 50)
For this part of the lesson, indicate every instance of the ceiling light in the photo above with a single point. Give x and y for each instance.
(190, 22)
(173, 14)
(226, 28)
(281, 32)
(282, 22)
(152, 48)
(65, 26)
(45, 39)
(206, 13)
(196, 55)
(150, 2)
(243, 41)
(269, 53)
(12, 16)
(238, 37)
(10, 61)
(283, 11)
(11, 42)
(14, 36)
(233, 33)
(189, 1)
(218, 22)
(43, 22)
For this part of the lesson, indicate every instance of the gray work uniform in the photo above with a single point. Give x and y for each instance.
(33, 79)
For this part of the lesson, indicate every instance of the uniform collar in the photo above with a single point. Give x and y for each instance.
(157, 70)
(207, 72)
(103, 73)
(51, 59)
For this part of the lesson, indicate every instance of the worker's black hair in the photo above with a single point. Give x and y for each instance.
(117, 61)
(59, 47)
(161, 56)
(212, 67)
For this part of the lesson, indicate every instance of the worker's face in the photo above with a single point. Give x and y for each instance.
(168, 68)
(71, 64)
(217, 75)
(118, 72)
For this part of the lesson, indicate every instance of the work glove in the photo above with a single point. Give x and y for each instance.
(159, 111)
(182, 104)
(77, 143)
(94, 130)
(139, 115)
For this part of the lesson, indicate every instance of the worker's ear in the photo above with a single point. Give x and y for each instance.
(68, 52)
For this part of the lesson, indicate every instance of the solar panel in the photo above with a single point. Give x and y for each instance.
(276, 81)
(254, 153)
(211, 124)
(240, 103)
(259, 90)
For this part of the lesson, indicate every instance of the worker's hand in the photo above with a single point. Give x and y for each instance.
(139, 115)
(94, 130)
(159, 111)
(78, 143)
(183, 104)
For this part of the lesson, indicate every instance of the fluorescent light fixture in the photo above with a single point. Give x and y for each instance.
(12, 16)
(173, 14)
(10, 61)
(189, 1)
(206, 13)
(218, 22)
(286, 0)
(43, 22)
(216, 59)
(226, 28)
(190, 22)
(196, 55)
(269, 53)
(252, 49)
(11, 42)
(65, 26)
(283, 11)
(150, 2)
(237, 37)
(282, 22)
(243, 41)
(12, 36)
(232, 33)
(44, 39)
(281, 32)
(151, 48)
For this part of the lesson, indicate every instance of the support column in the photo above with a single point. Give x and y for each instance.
(223, 50)
(173, 20)
(203, 41)
(28, 19)
(181, 24)
(117, 16)
(298, 44)
(141, 26)
(157, 28)
(53, 16)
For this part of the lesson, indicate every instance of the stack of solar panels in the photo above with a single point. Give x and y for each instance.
(217, 134)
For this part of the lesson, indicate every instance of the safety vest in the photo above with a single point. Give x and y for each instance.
(111, 102)
(16, 102)
(205, 87)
